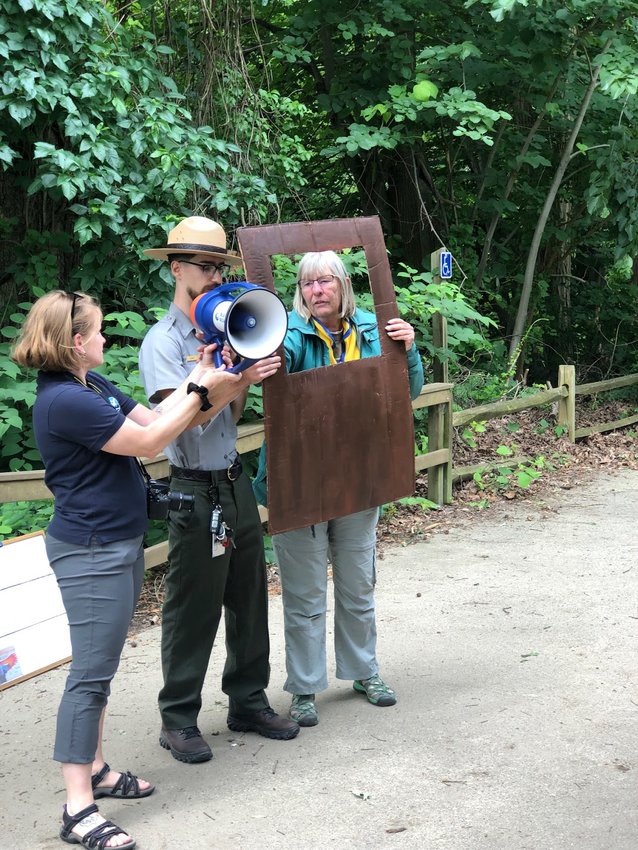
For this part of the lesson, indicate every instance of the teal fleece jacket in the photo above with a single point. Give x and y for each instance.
(306, 350)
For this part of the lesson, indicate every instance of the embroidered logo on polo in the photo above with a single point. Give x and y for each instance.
(114, 402)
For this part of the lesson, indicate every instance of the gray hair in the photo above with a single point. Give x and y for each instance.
(324, 262)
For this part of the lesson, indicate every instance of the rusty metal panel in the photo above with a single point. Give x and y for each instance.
(340, 438)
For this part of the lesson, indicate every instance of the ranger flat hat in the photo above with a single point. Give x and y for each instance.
(197, 235)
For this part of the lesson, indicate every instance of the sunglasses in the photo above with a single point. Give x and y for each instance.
(76, 298)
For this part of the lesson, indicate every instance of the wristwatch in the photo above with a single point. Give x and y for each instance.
(202, 392)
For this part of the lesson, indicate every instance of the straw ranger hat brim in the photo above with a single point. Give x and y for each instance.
(230, 257)
(197, 235)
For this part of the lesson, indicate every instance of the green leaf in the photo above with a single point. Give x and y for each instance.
(524, 478)
(425, 504)
(120, 106)
(505, 451)
(424, 91)
(22, 113)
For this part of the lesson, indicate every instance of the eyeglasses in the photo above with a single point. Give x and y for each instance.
(210, 268)
(324, 281)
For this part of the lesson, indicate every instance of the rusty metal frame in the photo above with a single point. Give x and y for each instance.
(340, 439)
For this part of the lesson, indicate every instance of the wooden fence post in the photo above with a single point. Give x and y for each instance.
(567, 405)
(439, 340)
(440, 439)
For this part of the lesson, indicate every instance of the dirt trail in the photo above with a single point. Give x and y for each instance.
(511, 642)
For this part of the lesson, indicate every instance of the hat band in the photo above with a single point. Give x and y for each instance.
(186, 246)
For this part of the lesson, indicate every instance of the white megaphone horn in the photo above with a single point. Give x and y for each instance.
(250, 318)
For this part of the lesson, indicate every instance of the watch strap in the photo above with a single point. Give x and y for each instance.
(202, 392)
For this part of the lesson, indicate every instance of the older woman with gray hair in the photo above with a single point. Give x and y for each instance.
(327, 328)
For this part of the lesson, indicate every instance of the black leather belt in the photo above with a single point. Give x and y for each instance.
(231, 472)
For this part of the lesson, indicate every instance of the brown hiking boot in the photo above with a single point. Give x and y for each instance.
(265, 722)
(186, 744)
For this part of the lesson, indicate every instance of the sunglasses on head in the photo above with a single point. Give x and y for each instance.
(75, 298)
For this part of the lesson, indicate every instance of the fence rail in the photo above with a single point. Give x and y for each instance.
(436, 397)
(502, 408)
(599, 387)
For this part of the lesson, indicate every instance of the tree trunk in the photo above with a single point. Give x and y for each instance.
(563, 291)
(491, 230)
(391, 187)
(530, 268)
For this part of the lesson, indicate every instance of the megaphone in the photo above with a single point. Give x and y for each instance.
(252, 319)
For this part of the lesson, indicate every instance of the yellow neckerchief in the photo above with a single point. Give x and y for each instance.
(350, 349)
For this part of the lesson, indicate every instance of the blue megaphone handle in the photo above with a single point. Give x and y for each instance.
(241, 366)
(217, 358)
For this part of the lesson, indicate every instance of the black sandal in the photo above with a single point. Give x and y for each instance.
(95, 839)
(127, 786)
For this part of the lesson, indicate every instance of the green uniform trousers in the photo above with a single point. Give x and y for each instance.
(197, 586)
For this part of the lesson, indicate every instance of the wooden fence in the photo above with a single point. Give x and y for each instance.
(29, 486)
(436, 397)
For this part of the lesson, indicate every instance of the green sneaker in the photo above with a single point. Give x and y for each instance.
(303, 710)
(376, 690)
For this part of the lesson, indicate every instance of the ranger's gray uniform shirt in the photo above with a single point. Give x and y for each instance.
(167, 356)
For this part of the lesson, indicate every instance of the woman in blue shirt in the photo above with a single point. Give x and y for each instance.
(89, 434)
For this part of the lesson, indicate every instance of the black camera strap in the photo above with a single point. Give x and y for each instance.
(143, 471)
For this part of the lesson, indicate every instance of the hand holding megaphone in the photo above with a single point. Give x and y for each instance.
(251, 319)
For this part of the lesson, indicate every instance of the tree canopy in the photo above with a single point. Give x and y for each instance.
(501, 129)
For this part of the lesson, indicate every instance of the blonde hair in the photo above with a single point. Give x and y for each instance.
(316, 263)
(46, 339)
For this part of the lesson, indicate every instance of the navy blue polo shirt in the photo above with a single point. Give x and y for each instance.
(97, 494)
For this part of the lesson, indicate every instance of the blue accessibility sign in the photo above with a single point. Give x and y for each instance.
(445, 265)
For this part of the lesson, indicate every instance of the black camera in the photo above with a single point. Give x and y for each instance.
(160, 500)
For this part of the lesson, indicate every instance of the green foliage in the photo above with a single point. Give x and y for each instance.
(421, 297)
(468, 435)
(98, 138)
(478, 387)
(103, 142)
(511, 478)
(254, 408)
(269, 550)
(420, 502)
(17, 518)
(445, 138)
(543, 427)
(17, 395)
(391, 509)
(421, 442)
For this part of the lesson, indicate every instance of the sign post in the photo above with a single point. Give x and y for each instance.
(441, 268)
